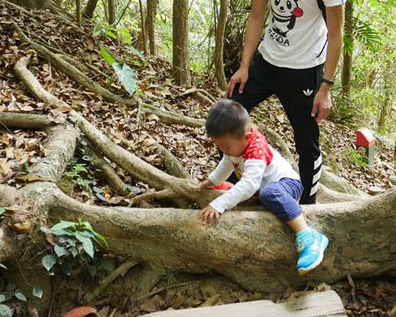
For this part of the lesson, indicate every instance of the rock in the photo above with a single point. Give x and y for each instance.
(392, 179)
(375, 190)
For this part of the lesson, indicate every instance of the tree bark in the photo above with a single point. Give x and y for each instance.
(347, 55)
(90, 8)
(112, 12)
(24, 120)
(79, 12)
(143, 32)
(150, 24)
(219, 46)
(181, 69)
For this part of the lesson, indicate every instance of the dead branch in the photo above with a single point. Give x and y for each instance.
(24, 120)
(201, 94)
(108, 173)
(103, 284)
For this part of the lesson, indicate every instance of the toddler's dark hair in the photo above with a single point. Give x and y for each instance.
(227, 116)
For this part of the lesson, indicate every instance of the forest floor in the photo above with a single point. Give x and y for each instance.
(19, 149)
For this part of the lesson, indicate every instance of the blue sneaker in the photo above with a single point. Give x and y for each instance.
(311, 245)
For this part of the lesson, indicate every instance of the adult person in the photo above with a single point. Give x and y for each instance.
(296, 60)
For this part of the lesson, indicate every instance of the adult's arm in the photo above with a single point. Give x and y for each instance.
(335, 22)
(253, 34)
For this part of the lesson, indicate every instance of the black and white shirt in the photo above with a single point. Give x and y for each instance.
(296, 36)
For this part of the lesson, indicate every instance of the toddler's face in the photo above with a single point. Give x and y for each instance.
(231, 145)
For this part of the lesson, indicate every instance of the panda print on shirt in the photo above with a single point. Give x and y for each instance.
(285, 14)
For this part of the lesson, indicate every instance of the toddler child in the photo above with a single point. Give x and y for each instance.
(259, 168)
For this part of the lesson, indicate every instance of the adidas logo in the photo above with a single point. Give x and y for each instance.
(308, 92)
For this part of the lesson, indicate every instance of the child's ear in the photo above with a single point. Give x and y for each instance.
(248, 136)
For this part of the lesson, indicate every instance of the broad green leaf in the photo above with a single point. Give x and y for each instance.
(111, 34)
(62, 233)
(138, 54)
(49, 261)
(107, 56)
(126, 76)
(140, 93)
(66, 268)
(37, 291)
(101, 240)
(2, 298)
(10, 286)
(2, 211)
(86, 243)
(59, 250)
(71, 241)
(126, 36)
(5, 311)
(20, 296)
(74, 251)
(100, 196)
(63, 225)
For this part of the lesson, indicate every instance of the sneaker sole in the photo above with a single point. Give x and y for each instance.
(323, 247)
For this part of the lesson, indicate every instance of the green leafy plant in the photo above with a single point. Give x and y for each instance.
(356, 157)
(24, 168)
(8, 294)
(78, 174)
(169, 277)
(74, 245)
(125, 74)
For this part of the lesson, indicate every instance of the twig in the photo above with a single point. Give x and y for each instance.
(120, 271)
(163, 289)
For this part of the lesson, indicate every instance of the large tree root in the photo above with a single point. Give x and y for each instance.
(251, 248)
(60, 148)
(135, 166)
(24, 121)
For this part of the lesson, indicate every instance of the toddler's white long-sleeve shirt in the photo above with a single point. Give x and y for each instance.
(258, 166)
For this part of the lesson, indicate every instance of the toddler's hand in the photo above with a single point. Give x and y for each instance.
(209, 215)
(206, 184)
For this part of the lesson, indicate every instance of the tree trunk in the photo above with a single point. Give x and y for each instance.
(150, 24)
(181, 70)
(348, 53)
(78, 12)
(219, 46)
(112, 12)
(143, 34)
(384, 109)
(90, 8)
